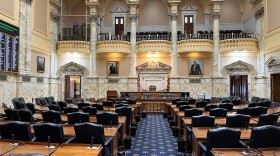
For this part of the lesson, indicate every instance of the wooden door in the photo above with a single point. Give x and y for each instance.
(275, 87)
(239, 86)
(188, 24)
(67, 87)
(119, 26)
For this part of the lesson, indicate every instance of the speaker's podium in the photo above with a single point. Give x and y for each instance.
(152, 88)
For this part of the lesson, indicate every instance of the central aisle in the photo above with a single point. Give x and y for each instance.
(154, 138)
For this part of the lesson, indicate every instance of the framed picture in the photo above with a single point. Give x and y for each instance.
(112, 68)
(40, 64)
(195, 67)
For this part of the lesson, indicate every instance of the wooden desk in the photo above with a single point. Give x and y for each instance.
(33, 147)
(270, 151)
(6, 146)
(232, 151)
(200, 135)
(218, 121)
(78, 150)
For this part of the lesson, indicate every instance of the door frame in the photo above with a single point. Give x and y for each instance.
(189, 10)
(66, 84)
(247, 92)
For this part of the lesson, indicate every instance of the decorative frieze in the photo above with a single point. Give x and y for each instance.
(201, 45)
(173, 16)
(154, 45)
(54, 17)
(133, 18)
(73, 46)
(239, 44)
(29, 2)
(239, 68)
(113, 46)
(259, 13)
(273, 65)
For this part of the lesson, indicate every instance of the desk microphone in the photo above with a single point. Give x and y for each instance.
(246, 125)
(49, 141)
(111, 124)
(91, 142)
(13, 139)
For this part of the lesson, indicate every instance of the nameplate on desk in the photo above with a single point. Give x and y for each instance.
(113, 80)
(195, 80)
(26, 78)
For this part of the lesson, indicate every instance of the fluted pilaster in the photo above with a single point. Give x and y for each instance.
(259, 30)
(28, 36)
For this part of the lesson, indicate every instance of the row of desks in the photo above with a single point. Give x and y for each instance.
(240, 151)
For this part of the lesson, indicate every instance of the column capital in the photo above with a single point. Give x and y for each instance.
(216, 15)
(54, 17)
(216, 5)
(55, 4)
(173, 16)
(93, 18)
(29, 2)
(93, 4)
(133, 18)
(174, 2)
(259, 13)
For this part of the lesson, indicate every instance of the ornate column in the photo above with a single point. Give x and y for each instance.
(173, 18)
(22, 36)
(54, 19)
(133, 22)
(28, 36)
(93, 5)
(260, 31)
(216, 4)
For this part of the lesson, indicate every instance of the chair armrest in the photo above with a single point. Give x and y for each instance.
(188, 129)
(70, 140)
(202, 146)
(33, 139)
(108, 141)
(242, 143)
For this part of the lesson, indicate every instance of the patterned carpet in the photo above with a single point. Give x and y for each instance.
(153, 138)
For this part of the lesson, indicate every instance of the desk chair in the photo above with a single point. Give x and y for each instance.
(201, 104)
(108, 103)
(218, 112)
(107, 118)
(192, 112)
(82, 104)
(12, 114)
(203, 121)
(220, 138)
(51, 116)
(244, 111)
(77, 117)
(89, 109)
(227, 106)
(98, 106)
(268, 119)
(92, 133)
(62, 104)
(20, 130)
(44, 130)
(26, 115)
(257, 111)
(184, 107)
(70, 110)
(209, 107)
(54, 108)
(238, 120)
(125, 111)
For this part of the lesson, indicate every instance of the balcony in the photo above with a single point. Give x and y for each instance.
(73, 46)
(154, 46)
(113, 46)
(239, 44)
(195, 45)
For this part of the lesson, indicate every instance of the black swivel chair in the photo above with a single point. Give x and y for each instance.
(108, 103)
(92, 133)
(31, 107)
(55, 108)
(77, 117)
(257, 111)
(220, 138)
(52, 116)
(182, 103)
(227, 106)
(26, 115)
(125, 111)
(62, 104)
(90, 110)
(70, 110)
(192, 112)
(82, 104)
(44, 130)
(201, 104)
(107, 118)
(203, 121)
(175, 101)
(131, 101)
(244, 111)
(268, 119)
(20, 130)
(98, 106)
(209, 107)
(184, 107)
(121, 105)
(218, 112)
(238, 120)
(12, 114)
(265, 136)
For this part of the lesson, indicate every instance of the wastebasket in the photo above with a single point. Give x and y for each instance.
(135, 124)
(133, 131)
(175, 131)
(164, 115)
(171, 123)
(138, 118)
(127, 142)
(181, 144)
(144, 115)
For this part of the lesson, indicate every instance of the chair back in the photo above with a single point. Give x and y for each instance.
(67, 110)
(192, 112)
(31, 107)
(98, 106)
(55, 108)
(125, 111)
(43, 130)
(268, 119)
(108, 103)
(257, 111)
(182, 103)
(218, 112)
(244, 111)
(201, 104)
(21, 99)
(20, 130)
(85, 131)
(26, 115)
(82, 104)
(222, 138)
(121, 105)
(203, 121)
(175, 101)
(107, 118)
(265, 136)
(131, 101)
(62, 104)
(77, 117)
(12, 114)
(227, 106)
(90, 110)
(238, 120)
(209, 107)
(52, 116)
(184, 107)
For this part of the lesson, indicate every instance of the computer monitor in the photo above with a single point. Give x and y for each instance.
(185, 95)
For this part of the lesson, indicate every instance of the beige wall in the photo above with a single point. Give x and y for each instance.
(273, 12)
(107, 17)
(9, 11)
(248, 10)
(230, 12)
(199, 13)
(40, 12)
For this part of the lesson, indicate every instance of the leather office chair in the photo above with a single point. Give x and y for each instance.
(62, 104)
(181, 103)
(54, 108)
(125, 111)
(220, 138)
(209, 107)
(121, 105)
(175, 101)
(131, 101)
(107, 118)
(244, 111)
(77, 117)
(18, 104)
(265, 136)
(52, 116)
(192, 112)
(20, 130)
(12, 114)
(67, 110)
(238, 120)
(82, 104)
(257, 111)
(203, 121)
(218, 112)
(108, 103)
(227, 106)
(31, 107)
(98, 106)
(184, 107)
(90, 110)
(21, 99)
(86, 131)
(43, 130)
(201, 104)
(268, 119)
(252, 104)
(26, 115)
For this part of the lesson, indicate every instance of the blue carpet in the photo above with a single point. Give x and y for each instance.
(153, 138)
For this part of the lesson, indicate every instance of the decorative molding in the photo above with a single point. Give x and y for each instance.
(189, 7)
(216, 15)
(118, 9)
(238, 68)
(255, 2)
(54, 17)
(72, 67)
(113, 46)
(239, 44)
(173, 16)
(259, 13)
(56, 4)
(201, 45)
(273, 64)
(153, 45)
(29, 2)
(133, 18)
(93, 18)
(73, 46)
